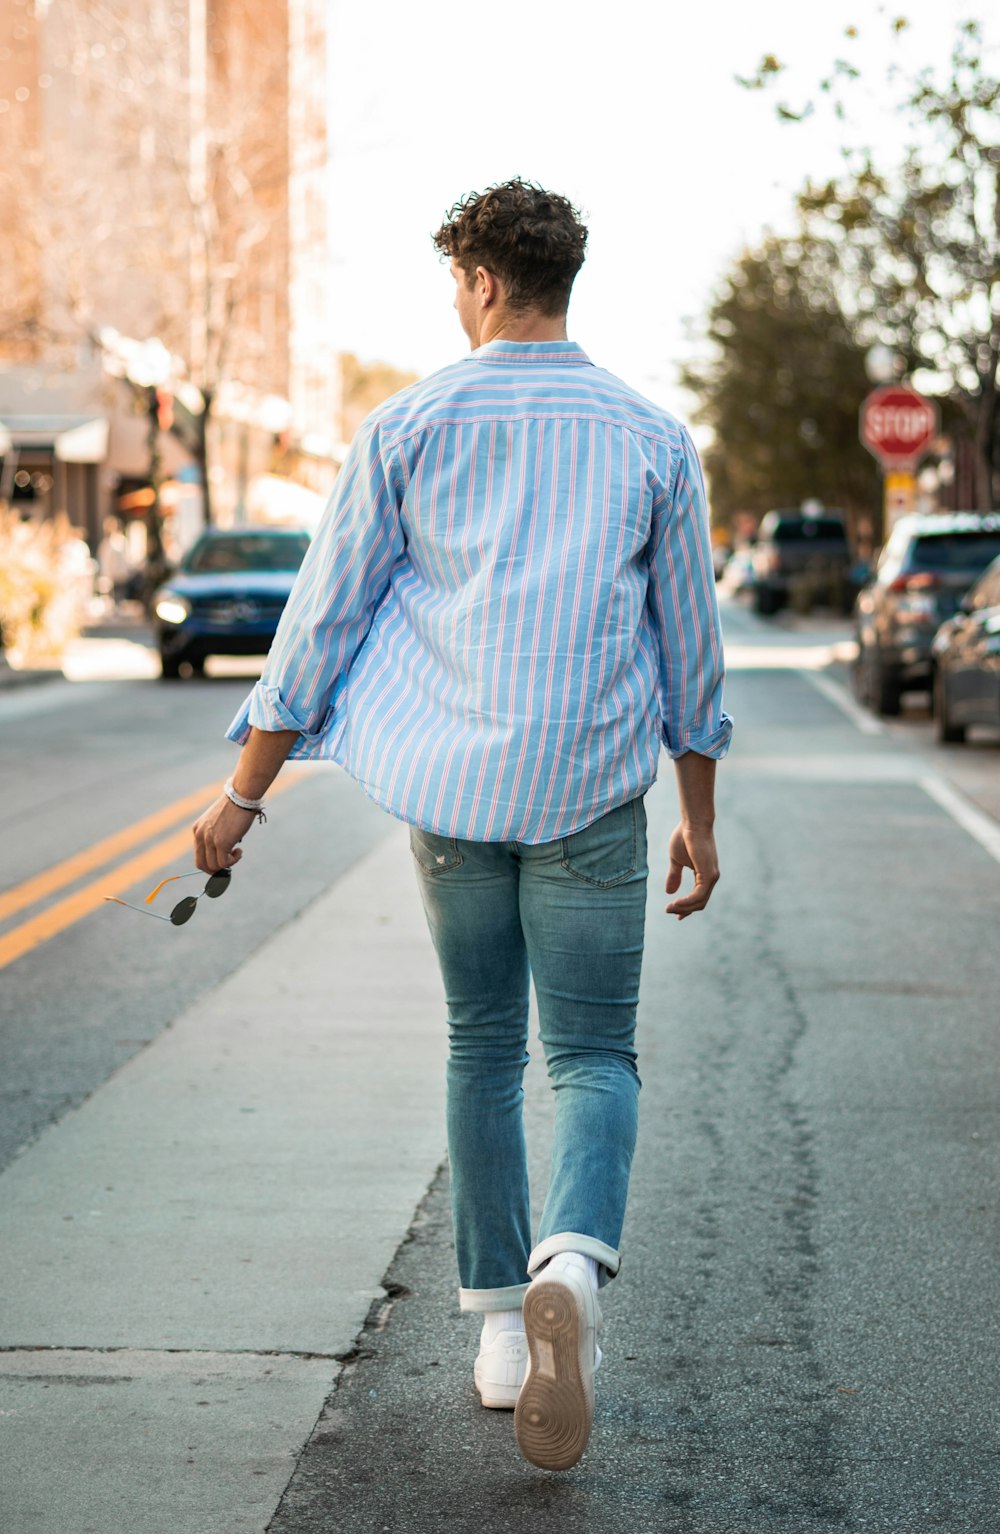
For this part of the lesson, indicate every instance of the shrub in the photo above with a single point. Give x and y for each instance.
(45, 580)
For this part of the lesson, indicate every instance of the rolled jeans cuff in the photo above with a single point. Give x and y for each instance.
(607, 1259)
(482, 1300)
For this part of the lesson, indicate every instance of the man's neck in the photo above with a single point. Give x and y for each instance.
(523, 327)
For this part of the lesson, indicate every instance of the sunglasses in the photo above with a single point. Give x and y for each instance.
(184, 909)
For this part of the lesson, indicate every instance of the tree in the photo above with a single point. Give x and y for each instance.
(145, 188)
(782, 387)
(365, 385)
(918, 245)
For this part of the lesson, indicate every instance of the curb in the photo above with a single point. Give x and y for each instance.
(11, 678)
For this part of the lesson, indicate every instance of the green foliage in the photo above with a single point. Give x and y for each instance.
(768, 65)
(917, 245)
(782, 387)
(365, 385)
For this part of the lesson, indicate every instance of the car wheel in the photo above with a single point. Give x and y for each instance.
(170, 667)
(885, 691)
(765, 601)
(946, 731)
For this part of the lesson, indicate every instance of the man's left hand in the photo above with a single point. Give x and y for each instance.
(692, 847)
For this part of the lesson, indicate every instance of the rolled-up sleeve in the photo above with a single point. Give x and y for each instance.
(344, 576)
(685, 614)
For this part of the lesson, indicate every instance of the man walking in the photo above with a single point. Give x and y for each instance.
(507, 609)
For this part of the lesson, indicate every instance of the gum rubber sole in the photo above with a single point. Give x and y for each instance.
(555, 1409)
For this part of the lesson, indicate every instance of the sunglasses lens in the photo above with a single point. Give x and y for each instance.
(184, 910)
(218, 884)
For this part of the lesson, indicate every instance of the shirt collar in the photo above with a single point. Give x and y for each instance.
(558, 353)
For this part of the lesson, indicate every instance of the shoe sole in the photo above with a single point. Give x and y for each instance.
(555, 1410)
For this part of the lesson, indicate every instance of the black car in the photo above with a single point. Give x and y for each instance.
(801, 555)
(967, 661)
(924, 571)
(226, 596)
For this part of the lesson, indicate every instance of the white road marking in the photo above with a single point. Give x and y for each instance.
(979, 825)
(841, 698)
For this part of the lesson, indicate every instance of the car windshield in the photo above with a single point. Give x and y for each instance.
(956, 551)
(242, 552)
(801, 528)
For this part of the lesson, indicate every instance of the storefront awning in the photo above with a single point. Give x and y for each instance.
(72, 438)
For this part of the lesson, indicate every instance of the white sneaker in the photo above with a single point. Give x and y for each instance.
(555, 1410)
(499, 1370)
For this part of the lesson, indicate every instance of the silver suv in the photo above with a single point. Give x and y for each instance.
(924, 571)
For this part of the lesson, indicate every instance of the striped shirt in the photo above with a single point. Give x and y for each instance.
(509, 602)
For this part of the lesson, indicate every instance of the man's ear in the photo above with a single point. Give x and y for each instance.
(489, 288)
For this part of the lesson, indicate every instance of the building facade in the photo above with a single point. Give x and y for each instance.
(164, 171)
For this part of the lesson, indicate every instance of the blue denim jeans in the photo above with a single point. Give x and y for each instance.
(570, 915)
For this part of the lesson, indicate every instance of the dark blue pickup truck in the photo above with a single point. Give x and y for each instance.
(802, 552)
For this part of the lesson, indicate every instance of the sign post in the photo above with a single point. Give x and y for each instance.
(898, 425)
(899, 494)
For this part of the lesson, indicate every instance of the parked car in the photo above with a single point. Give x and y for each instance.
(966, 652)
(802, 555)
(924, 571)
(226, 596)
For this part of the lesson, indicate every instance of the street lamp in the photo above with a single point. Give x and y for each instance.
(883, 365)
(276, 414)
(148, 365)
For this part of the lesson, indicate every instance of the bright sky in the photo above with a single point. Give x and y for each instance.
(631, 109)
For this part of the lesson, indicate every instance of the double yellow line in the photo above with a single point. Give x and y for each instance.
(56, 918)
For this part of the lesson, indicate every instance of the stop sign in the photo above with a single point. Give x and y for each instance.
(898, 424)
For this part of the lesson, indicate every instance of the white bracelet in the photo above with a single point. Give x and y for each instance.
(257, 805)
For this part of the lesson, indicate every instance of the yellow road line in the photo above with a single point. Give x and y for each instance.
(38, 929)
(61, 874)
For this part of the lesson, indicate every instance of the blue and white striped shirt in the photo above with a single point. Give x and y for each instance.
(508, 604)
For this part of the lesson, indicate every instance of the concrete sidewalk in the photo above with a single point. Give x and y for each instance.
(11, 676)
(120, 643)
(185, 1259)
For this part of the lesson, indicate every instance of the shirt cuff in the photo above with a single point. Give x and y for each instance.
(715, 745)
(264, 709)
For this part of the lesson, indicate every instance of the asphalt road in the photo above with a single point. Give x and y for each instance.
(81, 762)
(804, 1334)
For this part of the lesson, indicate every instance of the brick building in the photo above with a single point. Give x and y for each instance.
(164, 171)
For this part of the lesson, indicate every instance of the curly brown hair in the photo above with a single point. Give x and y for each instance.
(531, 239)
